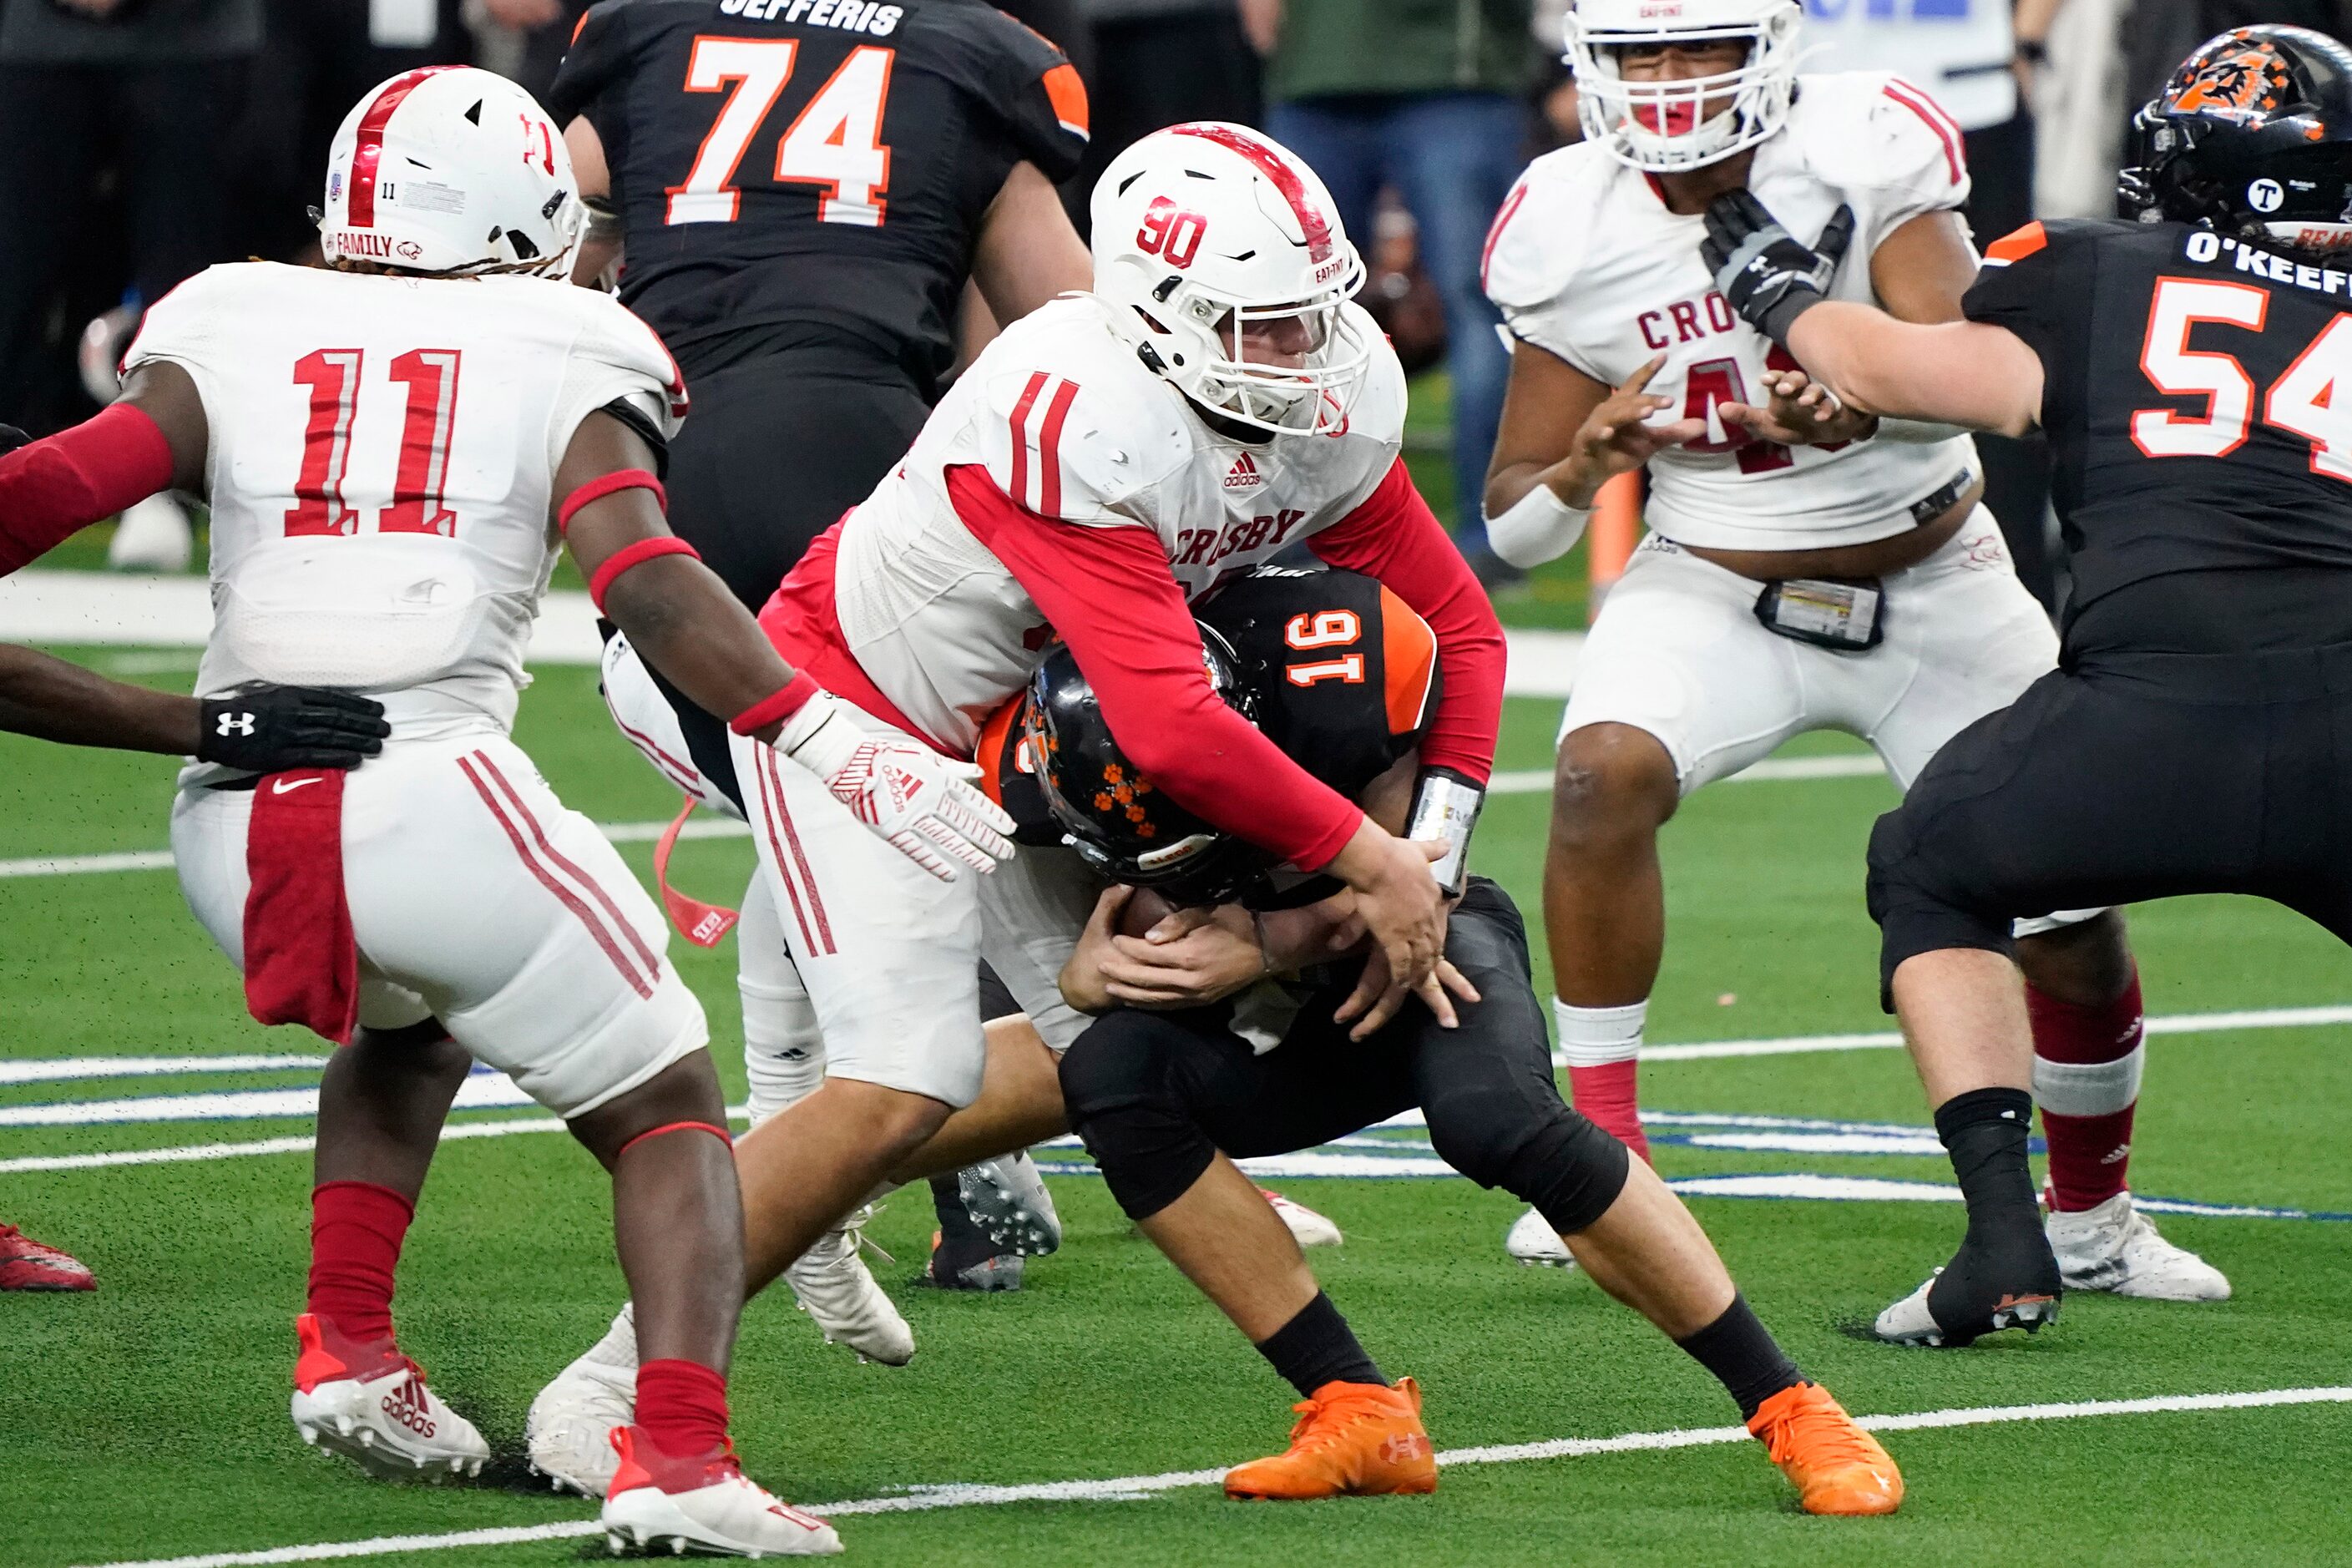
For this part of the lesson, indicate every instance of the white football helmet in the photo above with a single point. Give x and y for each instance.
(1204, 230)
(451, 169)
(1662, 126)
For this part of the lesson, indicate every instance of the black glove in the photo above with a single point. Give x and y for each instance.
(273, 729)
(11, 438)
(1766, 274)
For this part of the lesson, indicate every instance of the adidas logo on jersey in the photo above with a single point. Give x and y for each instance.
(1244, 474)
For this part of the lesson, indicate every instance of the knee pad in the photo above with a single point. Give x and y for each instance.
(784, 1051)
(1553, 1158)
(1121, 1104)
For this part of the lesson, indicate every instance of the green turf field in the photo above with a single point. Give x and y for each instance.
(149, 1421)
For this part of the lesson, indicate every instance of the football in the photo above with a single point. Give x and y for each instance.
(1145, 907)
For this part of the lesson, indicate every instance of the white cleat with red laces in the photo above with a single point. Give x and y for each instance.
(369, 1403)
(705, 1504)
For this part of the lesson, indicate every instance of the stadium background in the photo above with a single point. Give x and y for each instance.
(143, 1422)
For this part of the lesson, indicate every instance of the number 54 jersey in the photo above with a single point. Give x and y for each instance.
(383, 453)
(2194, 393)
(1586, 263)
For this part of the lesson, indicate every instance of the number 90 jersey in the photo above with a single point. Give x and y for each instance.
(382, 453)
(1586, 262)
(826, 164)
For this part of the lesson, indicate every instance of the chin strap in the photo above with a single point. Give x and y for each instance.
(1446, 804)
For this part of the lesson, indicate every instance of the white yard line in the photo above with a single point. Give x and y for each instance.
(49, 1069)
(1130, 1488)
(1532, 781)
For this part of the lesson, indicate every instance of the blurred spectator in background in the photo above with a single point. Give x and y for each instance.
(145, 91)
(318, 58)
(1154, 63)
(1427, 97)
(1974, 56)
(535, 35)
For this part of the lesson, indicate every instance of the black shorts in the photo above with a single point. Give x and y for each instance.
(1494, 1107)
(2134, 776)
(774, 450)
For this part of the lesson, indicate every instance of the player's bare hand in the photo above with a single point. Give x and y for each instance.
(1616, 438)
(1802, 412)
(926, 805)
(1192, 958)
(1376, 999)
(1398, 898)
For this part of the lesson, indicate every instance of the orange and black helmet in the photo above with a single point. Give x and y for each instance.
(2253, 137)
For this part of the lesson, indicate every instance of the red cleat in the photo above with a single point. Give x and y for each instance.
(27, 1265)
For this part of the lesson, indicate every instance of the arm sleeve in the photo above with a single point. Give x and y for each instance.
(1108, 594)
(1393, 537)
(55, 487)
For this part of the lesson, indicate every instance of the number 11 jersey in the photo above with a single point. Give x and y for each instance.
(381, 458)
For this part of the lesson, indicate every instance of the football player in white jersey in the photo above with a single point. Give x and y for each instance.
(1799, 575)
(394, 449)
(1110, 456)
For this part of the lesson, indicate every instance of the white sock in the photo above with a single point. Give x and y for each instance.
(1595, 1036)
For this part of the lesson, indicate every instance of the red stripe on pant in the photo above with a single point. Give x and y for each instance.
(302, 960)
(555, 857)
(800, 858)
(570, 900)
(770, 810)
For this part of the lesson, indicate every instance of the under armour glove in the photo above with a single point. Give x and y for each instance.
(273, 729)
(1769, 275)
(921, 802)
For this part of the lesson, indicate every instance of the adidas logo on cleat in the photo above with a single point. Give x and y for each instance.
(405, 1404)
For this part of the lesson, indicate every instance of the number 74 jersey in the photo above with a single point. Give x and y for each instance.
(383, 453)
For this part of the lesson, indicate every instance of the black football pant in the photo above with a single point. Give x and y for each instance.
(1156, 1096)
(776, 450)
(2134, 777)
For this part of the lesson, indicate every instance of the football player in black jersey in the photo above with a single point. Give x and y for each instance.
(796, 191)
(2197, 737)
(1247, 1035)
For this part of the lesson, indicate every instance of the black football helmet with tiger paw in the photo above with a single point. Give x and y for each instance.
(2252, 138)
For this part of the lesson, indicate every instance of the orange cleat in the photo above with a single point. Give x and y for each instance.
(1837, 1467)
(1353, 1439)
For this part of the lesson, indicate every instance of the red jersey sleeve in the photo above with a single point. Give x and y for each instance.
(1109, 596)
(71, 479)
(1395, 539)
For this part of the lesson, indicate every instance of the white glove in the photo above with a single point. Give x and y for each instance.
(906, 793)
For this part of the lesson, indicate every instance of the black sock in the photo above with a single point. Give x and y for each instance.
(1744, 1356)
(1984, 1131)
(2005, 1258)
(947, 1206)
(1318, 1347)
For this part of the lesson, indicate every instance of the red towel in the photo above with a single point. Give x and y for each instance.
(302, 962)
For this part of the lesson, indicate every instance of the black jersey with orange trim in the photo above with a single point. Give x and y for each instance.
(1343, 674)
(813, 171)
(2198, 396)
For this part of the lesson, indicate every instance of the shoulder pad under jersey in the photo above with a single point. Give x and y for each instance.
(1873, 131)
(1545, 227)
(1067, 421)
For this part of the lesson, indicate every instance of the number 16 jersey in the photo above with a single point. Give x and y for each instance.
(383, 453)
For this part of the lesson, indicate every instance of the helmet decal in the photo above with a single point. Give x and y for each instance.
(370, 149)
(1313, 222)
(2240, 80)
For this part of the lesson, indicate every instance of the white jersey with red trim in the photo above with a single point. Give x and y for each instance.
(382, 450)
(1586, 262)
(1071, 426)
